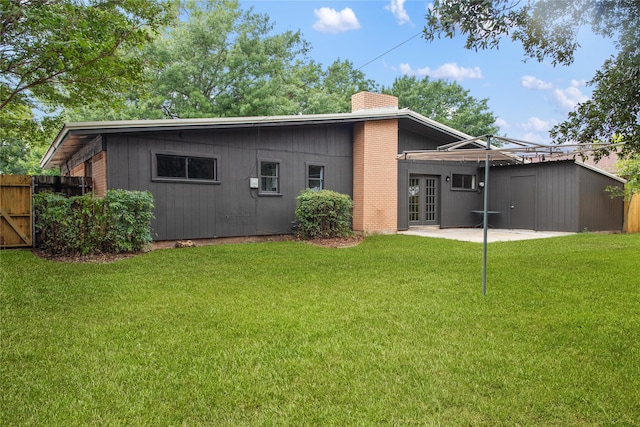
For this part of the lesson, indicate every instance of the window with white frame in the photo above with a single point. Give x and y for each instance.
(269, 176)
(315, 177)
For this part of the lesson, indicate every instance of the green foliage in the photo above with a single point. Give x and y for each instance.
(549, 29)
(447, 103)
(241, 69)
(323, 214)
(66, 53)
(628, 168)
(613, 111)
(117, 223)
(237, 69)
(129, 215)
(24, 139)
(330, 90)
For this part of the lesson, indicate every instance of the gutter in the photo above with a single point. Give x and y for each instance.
(88, 128)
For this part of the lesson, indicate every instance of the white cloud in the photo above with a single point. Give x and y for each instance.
(538, 138)
(532, 82)
(447, 71)
(396, 7)
(567, 99)
(332, 21)
(501, 123)
(535, 130)
(405, 69)
(536, 124)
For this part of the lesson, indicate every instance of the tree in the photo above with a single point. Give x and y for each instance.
(330, 90)
(66, 53)
(447, 103)
(549, 29)
(23, 139)
(221, 61)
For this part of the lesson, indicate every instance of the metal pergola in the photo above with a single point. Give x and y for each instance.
(511, 151)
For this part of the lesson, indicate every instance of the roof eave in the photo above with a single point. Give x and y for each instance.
(93, 128)
(600, 171)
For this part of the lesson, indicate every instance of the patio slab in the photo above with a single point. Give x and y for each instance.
(477, 234)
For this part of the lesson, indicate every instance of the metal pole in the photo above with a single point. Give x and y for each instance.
(485, 216)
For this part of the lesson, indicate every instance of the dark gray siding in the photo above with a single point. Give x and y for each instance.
(598, 211)
(564, 197)
(408, 141)
(455, 206)
(553, 195)
(230, 208)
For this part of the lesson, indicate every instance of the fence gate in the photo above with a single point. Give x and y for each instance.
(16, 211)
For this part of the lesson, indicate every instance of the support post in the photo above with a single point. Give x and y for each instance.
(485, 216)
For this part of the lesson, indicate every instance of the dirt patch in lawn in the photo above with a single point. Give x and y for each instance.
(96, 259)
(336, 242)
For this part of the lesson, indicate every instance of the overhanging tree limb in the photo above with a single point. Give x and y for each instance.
(548, 29)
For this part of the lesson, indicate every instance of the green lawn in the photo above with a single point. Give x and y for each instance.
(392, 332)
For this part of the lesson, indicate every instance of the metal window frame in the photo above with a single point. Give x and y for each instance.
(474, 182)
(158, 178)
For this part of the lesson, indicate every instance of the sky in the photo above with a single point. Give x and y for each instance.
(384, 38)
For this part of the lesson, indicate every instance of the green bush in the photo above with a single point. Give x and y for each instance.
(323, 214)
(119, 222)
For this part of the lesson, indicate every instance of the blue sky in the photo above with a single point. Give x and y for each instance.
(527, 97)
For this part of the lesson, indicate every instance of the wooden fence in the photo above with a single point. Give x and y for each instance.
(632, 214)
(16, 211)
(67, 185)
(16, 203)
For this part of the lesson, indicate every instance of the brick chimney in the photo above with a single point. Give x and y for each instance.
(375, 168)
(368, 101)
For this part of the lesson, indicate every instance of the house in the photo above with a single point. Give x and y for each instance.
(240, 176)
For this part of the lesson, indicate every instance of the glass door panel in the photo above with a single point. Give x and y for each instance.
(414, 199)
(423, 200)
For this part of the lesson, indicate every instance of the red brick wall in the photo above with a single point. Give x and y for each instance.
(78, 170)
(100, 174)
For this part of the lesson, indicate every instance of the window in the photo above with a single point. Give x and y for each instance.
(190, 168)
(463, 182)
(315, 177)
(201, 168)
(88, 168)
(171, 166)
(269, 175)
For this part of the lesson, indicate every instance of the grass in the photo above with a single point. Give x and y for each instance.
(392, 332)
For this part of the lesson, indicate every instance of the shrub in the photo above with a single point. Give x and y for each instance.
(119, 222)
(129, 220)
(323, 214)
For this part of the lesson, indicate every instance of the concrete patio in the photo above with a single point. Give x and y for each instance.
(477, 234)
